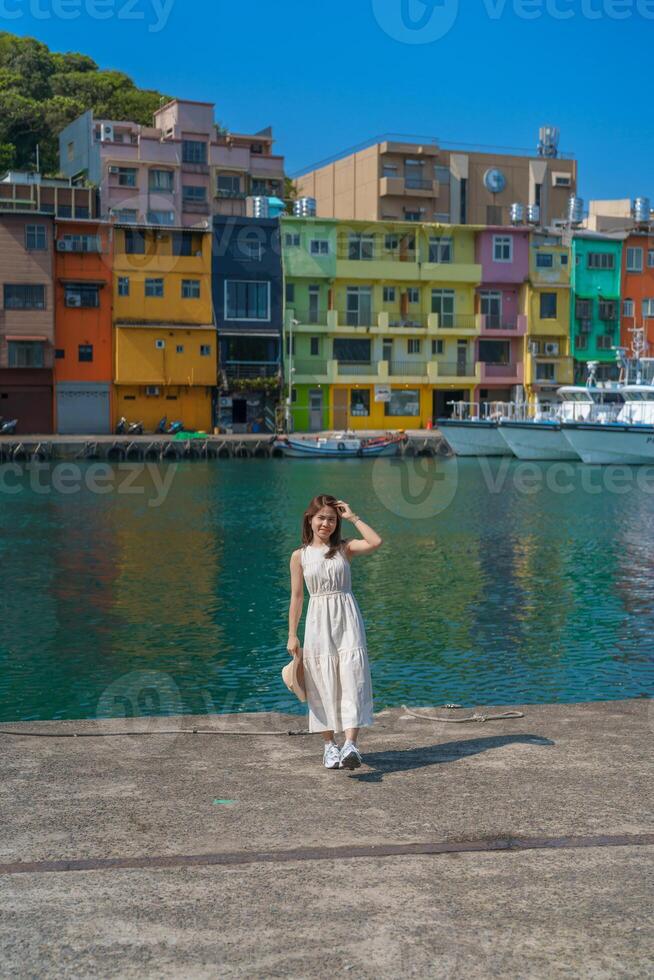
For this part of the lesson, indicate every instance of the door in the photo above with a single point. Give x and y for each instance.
(387, 351)
(340, 408)
(359, 306)
(491, 308)
(314, 301)
(442, 408)
(239, 410)
(462, 358)
(315, 410)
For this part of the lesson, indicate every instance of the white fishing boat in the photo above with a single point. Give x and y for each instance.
(629, 440)
(340, 445)
(542, 438)
(468, 433)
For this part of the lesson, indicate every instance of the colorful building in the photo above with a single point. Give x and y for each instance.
(164, 334)
(637, 321)
(177, 172)
(83, 364)
(595, 302)
(503, 253)
(26, 320)
(548, 361)
(390, 321)
(248, 303)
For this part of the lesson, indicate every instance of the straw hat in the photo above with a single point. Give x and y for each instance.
(293, 677)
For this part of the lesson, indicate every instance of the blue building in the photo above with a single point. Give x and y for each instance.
(248, 309)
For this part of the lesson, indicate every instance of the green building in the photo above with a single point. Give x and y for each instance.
(595, 306)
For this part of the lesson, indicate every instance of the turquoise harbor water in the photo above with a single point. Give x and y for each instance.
(496, 584)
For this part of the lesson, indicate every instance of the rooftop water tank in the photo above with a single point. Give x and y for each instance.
(305, 207)
(641, 210)
(517, 214)
(575, 210)
(533, 214)
(260, 207)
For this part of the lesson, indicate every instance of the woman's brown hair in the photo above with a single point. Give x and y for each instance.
(335, 541)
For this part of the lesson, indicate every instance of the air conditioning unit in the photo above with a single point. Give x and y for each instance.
(552, 350)
(63, 246)
(160, 344)
(534, 347)
(114, 170)
(73, 299)
(152, 390)
(106, 133)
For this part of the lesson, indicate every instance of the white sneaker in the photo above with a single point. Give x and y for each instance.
(350, 757)
(331, 756)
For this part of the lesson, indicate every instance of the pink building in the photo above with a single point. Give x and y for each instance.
(179, 171)
(503, 253)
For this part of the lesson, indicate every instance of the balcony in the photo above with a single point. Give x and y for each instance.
(453, 372)
(408, 369)
(195, 168)
(451, 273)
(250, 369)
(394, 266)
(230, 195)
(459, 324)
(195, 207)
(502, 374)
(308, 370)
(314, 317)
(497, 325)
(410, 186)
(358, 369)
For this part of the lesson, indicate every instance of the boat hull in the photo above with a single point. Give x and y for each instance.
(537, 441)
(473, 438)
(309, 449)
(613, 443)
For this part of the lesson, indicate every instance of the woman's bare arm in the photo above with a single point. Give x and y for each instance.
(297, 601)
(359, 546)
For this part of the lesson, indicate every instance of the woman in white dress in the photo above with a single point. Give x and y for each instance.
(335, 656)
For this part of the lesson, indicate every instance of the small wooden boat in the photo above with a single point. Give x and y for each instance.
(340, 445)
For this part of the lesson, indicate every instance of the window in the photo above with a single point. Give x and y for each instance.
(127, 176)
(186, 243)
(390, 170)
(290, 292)
(161, 180)
(134, 242)
(437, 346)
(123, 285)
(405, 401)
(81, 295)
(650, 258)
(544, 260)
(442, 174)
(36, 238)
(205, 350)
(583, 309)
(600, 260)
(581, 341)
(228, 185)
(85, 352)
(351, 350)
(160, 344)
(81, 243)
(319, 246)
(20, 297)
(564, 258)
(545, 372)
(247, 300)
(391, 243)
(315, 346)
(154, 288)
(70, 148)
(360, 247)
(628, 308)
(25, 353)
(634, 260)
(360, 401)
(190, 289)
(126, 215)
(648, 308)
(440, 249)
(292, 240)
(442, 302)
(359, 306)
(194, 195)
(413, 346)
(389, 294)
(604, 341)
(179, 349)
(66, 211)
(194, 151)
(60, 353)
(161, 217)
(502, 248)
(608, 309)
(413, 295)
(495, 351)
(413, 215)
(548, 306)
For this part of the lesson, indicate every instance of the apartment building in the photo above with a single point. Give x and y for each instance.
(164, 334)
(248, 304)
(425, 182)
(595, 280)
(83, 361)
(548, 361)
(637, 319)
(178, 172)
(25, 192)
(26, 320)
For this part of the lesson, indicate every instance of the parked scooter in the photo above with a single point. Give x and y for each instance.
(161, 428)
(175, 427)
(129, 428)
(8, 427)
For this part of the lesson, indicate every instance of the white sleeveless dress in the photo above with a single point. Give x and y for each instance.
(336, 667)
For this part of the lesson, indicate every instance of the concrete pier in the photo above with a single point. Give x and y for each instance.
(522, 847)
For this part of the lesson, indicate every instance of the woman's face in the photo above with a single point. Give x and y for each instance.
(323, 524)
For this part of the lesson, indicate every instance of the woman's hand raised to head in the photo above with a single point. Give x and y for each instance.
(345, 510)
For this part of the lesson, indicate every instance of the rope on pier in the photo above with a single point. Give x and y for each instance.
(160, 731)
(460, 721)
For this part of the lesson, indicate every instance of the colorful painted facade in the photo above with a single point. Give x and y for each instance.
(595, 277)
(637, 319)
(83, 364)
(548, 361)
(164, 334)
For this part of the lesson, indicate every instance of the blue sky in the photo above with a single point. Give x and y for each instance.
(331, 75)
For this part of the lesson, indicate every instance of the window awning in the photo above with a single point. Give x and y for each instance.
(249, 332)
(83, 284)
(27, 336)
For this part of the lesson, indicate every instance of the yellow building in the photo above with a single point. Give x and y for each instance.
(164, 337)
(548, 363)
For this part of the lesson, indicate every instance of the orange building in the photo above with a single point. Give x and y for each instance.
(638, 291)
(83, 365)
